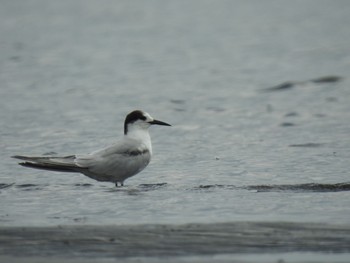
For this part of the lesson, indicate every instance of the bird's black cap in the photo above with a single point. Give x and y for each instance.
(140, 115)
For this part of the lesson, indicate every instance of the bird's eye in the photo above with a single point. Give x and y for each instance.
(143, 118)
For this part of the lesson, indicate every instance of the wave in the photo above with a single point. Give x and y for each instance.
(310, 187)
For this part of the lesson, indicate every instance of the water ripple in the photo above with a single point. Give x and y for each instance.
(310, 187)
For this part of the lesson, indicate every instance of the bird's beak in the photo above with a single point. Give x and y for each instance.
(159, 123)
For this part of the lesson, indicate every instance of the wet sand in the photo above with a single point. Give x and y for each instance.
(157, 242)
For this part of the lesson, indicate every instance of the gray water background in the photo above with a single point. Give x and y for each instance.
(71, 70)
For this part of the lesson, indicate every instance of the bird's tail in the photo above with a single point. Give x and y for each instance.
(58, 164)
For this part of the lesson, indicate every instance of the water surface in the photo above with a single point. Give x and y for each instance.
(257, 93)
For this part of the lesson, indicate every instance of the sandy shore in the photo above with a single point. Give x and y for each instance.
(127, 242)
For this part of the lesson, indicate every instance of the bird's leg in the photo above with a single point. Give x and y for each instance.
(121, 184)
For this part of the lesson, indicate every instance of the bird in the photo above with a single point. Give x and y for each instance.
(115, 163)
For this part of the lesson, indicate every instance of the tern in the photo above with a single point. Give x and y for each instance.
(115, 163)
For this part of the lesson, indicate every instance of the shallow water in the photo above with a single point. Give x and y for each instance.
(244, 144)
(174, 241)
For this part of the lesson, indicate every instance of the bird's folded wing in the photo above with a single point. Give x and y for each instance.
(115, 157)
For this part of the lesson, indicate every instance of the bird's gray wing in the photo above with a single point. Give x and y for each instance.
(126, 157)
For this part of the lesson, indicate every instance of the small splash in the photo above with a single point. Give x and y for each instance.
(332, 99)
(15, 58)
(320, 115)
(327, 79)
(215, 109)
(80, 219)
(311, 187)
(283, 86)
(287, 124)
(25, 185)
(178, 101)
(291, 84)
(136, 190)
(291, 114)
(30, 187)
(147, 187)
(308, 145)
(179, 109)
(4, 186)
(49, 153)
(83, 185)
(217, 186)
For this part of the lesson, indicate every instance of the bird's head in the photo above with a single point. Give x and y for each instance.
(140, 120)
